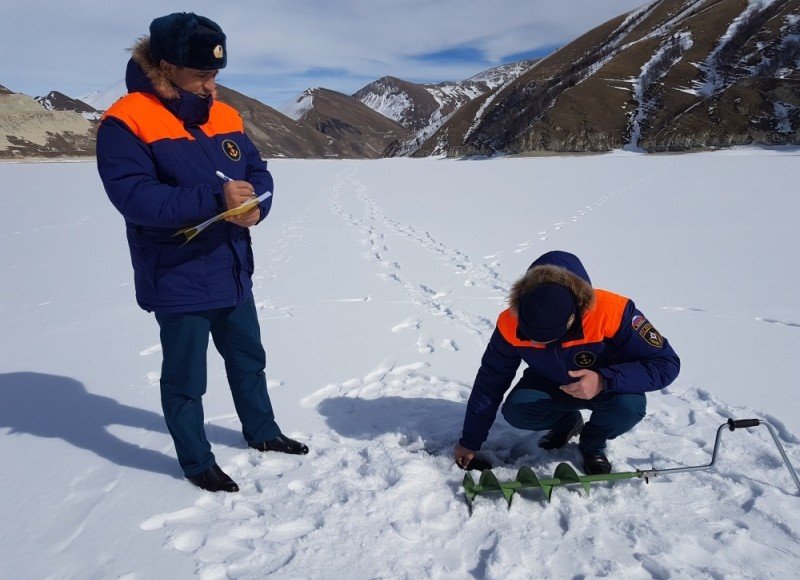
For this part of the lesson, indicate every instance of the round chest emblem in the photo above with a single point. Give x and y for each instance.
(585, 359)
(231, 149)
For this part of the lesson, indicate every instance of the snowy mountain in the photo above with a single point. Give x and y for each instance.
(417, 106)
(57, 101)
(672, 75)
(423, 108)
(499, 75)
(299, 106)
(102, 99)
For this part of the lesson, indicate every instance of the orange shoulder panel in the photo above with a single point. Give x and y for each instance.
(222, 119)
(603, 319)
(601, 322)
(147, 118)
(507, 325)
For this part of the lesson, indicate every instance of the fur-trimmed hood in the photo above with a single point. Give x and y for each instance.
(559, 268)
(145, 76)
(160, 84)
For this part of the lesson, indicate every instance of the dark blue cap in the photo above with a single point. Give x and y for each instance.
(188, 40)
(546, 313)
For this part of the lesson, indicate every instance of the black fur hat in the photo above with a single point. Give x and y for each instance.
(546, 313)
(186, 39)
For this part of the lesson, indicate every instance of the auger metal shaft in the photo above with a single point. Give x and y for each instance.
(783, 453)
(732, 425)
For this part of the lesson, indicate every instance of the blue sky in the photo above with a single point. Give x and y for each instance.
(277, 49)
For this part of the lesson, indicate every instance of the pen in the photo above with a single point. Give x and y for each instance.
(259, 198)
(226, 178)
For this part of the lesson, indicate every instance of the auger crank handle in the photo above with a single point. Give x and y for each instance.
(734, 424)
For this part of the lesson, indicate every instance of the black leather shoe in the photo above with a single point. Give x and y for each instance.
(557, 439)
(282, 444)
(595, 463)
(213, 479)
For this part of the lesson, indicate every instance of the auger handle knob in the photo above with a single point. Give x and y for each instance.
(739, 423)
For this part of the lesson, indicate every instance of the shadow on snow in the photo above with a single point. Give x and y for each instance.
(56, 407)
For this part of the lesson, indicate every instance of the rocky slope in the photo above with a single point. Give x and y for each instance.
(277, 135)
(672, 75)
(356, 129)
(27, 129)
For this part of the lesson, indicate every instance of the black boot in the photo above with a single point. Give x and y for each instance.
(595, 463)
(213, 479)
(557, 439)
(282, 444)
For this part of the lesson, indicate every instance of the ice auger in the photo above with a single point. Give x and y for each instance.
(565, 474)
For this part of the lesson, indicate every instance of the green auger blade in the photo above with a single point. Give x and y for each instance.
(564, 474)
(527, 478)
(567, 474)
(470, 489)
(489, 482)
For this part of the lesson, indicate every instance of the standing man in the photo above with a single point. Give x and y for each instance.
(585, 348)
(158, 151)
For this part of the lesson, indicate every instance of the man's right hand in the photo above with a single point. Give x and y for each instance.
(236, 193)
(463, 455)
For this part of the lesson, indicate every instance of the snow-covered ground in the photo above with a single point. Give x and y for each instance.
(378, 284)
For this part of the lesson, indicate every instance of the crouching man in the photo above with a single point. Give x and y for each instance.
(585, 348)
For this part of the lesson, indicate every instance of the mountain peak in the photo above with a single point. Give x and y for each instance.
(57, 101)
(299, 106)
(423, 107)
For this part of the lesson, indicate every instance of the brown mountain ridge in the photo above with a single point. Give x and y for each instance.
(673, 75)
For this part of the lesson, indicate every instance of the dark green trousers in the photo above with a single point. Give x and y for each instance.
(537, 404)
(184, 341)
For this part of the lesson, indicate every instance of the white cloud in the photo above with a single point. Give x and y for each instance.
(79, 46)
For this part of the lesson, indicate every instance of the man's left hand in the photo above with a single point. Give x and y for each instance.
(589, 384)
(246, 220)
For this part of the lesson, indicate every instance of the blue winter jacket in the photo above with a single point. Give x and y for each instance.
(612, 338)
(157, 159)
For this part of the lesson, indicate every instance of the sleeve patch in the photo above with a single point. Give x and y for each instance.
(651, 335)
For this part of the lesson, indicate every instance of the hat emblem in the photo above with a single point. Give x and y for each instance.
(219, 52)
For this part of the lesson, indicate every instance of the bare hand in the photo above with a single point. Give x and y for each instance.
(462, 455)
(589, 385)
(237, 193)
(246, 220)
